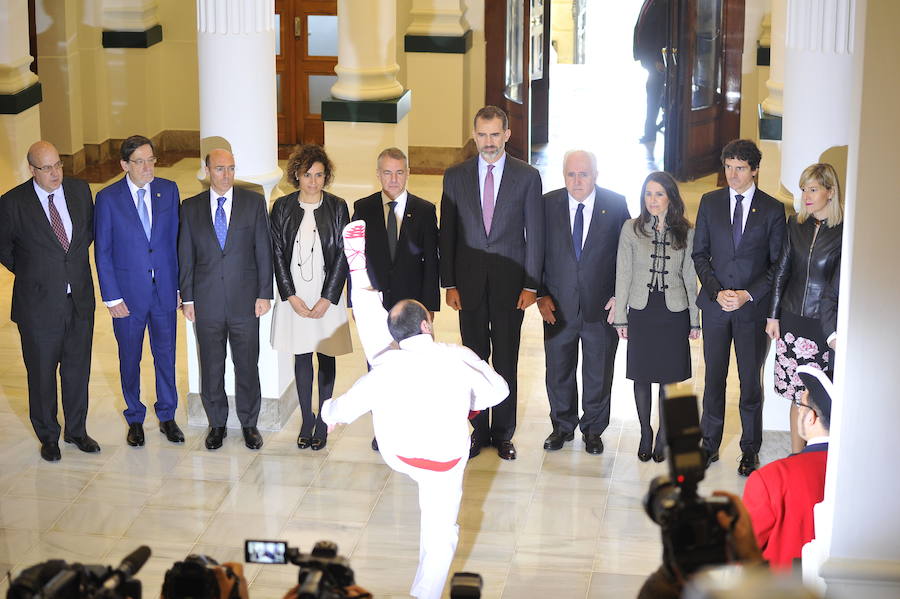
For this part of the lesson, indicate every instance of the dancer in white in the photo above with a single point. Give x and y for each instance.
(420, 394)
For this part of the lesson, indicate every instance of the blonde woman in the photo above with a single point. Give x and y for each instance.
(809, 258)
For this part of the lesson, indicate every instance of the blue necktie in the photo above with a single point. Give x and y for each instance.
(578, 231)
(143, 213)
(737, 221)
(220, 224)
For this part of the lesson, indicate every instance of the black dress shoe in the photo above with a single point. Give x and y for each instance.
(645, 447)
(252, 438)
(374, 444)
(215, 436)
(318, 444)
(135, 436)
(749, 463)
(557, 439)
(711, 457)
(474, 448)
(593, 444)
(506, 450)
(50, 451)
(303, 442)
(170, 429)
(85, 443)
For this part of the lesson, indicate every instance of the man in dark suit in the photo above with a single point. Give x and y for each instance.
(136, 239)
(491, 252)
(650, 37)
(225, 261)
(401, 238)
(738, 237)
(46, 228)
(583, 222)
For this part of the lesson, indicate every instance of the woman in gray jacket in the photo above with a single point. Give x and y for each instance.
(656, 289)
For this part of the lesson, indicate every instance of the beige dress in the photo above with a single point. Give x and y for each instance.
(293, 333)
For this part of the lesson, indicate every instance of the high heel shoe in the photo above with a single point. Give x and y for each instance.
(644, 447)
(317, 444)
(303, 442)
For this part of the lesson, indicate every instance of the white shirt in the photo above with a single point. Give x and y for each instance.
(59, 202)
(399, 208)
(586, 213)
(214, 204)
(498, 175)
(817, 440)
(745, 204)
(420, 396)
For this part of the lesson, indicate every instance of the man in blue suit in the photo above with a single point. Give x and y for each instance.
(136, 251)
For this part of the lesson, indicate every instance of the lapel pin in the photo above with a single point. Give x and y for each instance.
(753, 210)
(408, 215)
(603, 212)
(157, 194)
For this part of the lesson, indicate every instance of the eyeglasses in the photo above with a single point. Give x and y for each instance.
(48, 168)
(141, 161)
(800, 404)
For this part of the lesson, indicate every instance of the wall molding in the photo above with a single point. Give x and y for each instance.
(22, 100)
(367, 111)
(132, 39)
(438, 44)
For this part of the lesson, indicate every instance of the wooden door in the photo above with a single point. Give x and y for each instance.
(540, 71)
(703, 83)
(304, 67)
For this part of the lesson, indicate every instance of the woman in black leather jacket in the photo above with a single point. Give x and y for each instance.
(310, 272)
(809, 258)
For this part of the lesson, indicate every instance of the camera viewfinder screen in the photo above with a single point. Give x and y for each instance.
(265, 552)
(688, 461)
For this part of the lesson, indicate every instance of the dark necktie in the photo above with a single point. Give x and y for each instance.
(737, 221)
(578, 231)
(57, 224)
(392, 229)
(220, 224)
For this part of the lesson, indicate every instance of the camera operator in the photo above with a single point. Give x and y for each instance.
(202, 577)
(781, 495)
(667, 581)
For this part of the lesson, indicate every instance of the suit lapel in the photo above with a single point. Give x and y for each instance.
(129, 206)
(206, 217)
(156, 207)
(74, 213)
(506, 190)
(753, 218)
(723, 214)
(564, 224)
(474, 191)
(238, 207)
(598, 215)
(35, 213)
(408, 215)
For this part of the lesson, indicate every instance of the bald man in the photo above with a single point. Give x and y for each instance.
(46, 228)
(225, 267)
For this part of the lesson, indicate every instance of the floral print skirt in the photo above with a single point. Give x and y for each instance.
(802, 342)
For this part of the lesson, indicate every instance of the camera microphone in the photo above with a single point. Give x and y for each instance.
(133, 562)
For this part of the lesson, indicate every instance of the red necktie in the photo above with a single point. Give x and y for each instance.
(57, 224)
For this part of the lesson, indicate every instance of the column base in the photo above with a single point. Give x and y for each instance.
(274, 412)
(769, 125)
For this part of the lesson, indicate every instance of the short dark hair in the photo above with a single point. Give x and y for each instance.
(133, 143)
(395, 153)
(302, 159)
(742, 149)
(405, 319)
(823, 415)
(490, 113)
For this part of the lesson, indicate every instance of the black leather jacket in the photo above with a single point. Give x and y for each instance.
(284, 222)
(807, 262)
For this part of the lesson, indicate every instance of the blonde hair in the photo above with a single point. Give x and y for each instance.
(825, 175)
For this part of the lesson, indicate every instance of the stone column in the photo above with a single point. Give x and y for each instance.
(236, 54)
(437, 43)
(773, 103)
(818, 90)
(20, 94)
(368, 106)
(856, 552)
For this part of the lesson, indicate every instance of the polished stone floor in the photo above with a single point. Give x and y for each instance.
(561, 524)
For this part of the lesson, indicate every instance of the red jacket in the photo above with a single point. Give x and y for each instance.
(780, 498)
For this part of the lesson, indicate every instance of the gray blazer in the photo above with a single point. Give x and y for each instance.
(633, 275)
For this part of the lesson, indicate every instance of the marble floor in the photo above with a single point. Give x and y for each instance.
(560, 524)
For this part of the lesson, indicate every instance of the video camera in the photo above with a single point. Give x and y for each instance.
(323, 573)
(56, 579)
(691, 534)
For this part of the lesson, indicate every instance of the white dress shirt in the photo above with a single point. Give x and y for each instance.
(745, 204)
(59, 202)
(226, 206)
(399, 208)
(586, 213)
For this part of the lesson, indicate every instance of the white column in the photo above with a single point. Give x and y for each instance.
(236, 54)
(437, 17)
(366, 68)
(818, 74)
(858, 523)
(773, 103)
(129, 15)
(17, 131)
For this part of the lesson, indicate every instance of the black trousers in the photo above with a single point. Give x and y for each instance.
(313, 425)
(720, 329)
(656, 83)
(63, 345)
(494, 333)
(243, 337)
(598, 349)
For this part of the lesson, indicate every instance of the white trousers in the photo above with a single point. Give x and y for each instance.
(439, 492)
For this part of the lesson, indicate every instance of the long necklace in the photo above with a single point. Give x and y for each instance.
(308, 261)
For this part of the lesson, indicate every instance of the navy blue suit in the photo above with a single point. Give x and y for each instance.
(722, 266)
(144, 273)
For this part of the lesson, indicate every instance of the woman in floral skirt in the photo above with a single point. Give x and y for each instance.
(809, 258)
